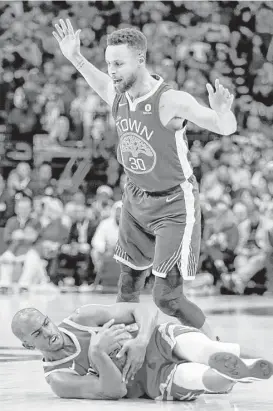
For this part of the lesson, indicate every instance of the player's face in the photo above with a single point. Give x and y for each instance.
(123, 65)
(43, 334)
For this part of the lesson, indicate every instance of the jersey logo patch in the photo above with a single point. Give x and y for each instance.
(138, 156)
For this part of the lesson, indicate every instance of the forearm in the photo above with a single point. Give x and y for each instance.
(226, 122)
(96, 79)
(146, 321)
(110, 378)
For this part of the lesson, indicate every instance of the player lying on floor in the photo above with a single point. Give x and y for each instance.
(166, 361)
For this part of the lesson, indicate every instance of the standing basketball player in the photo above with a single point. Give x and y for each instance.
(160, 220)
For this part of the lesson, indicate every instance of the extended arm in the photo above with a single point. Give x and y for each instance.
(122, 313)
(69, 43)
(218, 119)
(68, 385)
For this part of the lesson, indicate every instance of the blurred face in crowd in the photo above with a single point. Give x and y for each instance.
(80, 212)
(45, 172)
(240, 211)
(23, 208)
(79, 198)
(23, 169)
(236, 160)
(123, 64)
(36, 330)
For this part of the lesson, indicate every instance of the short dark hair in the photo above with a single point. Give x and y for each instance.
(132, 37)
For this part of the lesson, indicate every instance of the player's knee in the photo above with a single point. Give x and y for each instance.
(168, 300)
(130, 284)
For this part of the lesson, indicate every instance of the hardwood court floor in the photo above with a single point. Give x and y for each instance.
(247, 320)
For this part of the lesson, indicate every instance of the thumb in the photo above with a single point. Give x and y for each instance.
(209, 88)
(77, 34)
(122, 352)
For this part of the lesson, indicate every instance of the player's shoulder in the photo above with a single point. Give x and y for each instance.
(176, 99)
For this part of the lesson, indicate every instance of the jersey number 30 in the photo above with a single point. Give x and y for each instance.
(137, 164)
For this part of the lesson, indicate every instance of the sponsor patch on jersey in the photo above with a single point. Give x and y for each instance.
(138, 156)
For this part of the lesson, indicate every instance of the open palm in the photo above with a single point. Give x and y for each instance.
(221, 100)
(68, 40)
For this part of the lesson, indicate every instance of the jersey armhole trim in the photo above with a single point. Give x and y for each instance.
(115, 105)
(166, 87)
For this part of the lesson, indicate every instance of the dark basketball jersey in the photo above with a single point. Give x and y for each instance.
(153, 157)
(78, 362)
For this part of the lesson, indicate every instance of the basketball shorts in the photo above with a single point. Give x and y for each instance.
(155, 378)
(160, 231)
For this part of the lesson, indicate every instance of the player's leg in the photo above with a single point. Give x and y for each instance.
(134, 252)
(192, 379)
(221, 356)
(196, 347)
(130, 284)
(176, 258)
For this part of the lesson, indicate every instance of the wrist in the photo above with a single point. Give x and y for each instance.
(77, 60)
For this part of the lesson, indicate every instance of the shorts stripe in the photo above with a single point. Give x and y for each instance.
(186, 252)
(119, 252)
(183, 256)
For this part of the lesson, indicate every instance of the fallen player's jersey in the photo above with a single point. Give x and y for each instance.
(78, 362)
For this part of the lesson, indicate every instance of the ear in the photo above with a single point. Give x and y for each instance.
(28, 346)
(142, 59)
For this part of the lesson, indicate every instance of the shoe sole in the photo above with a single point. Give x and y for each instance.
(233, 368)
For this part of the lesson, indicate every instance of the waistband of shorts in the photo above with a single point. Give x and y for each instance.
(163, 193)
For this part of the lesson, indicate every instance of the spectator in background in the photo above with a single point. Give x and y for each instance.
(77, 251)
(104, 201)
(6, 203)
(19, 179)
(243, 224)
(53, 233)
(220, 240)
(20, 235)
(41, 179)
(104, 241)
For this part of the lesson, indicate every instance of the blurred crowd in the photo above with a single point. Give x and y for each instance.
(189, 44)
(48, 239)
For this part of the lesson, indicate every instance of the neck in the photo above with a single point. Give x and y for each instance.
(143, 85)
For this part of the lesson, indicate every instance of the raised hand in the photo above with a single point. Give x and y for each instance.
(68, 40)
(221, 100)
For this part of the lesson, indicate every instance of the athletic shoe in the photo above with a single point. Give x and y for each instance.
(235, 369)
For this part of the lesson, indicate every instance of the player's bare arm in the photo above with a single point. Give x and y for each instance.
(95, 315)
(218, 119)
(108, 384)
(69, 42)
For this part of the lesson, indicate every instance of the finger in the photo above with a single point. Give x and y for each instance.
(58, 38)
(59, 30)
(69, 26)
(108, 324)
(231, 98)
(221, 89)
(117, 326)
(77, 34)
(217, 83)
(122, 352)
(134, 369)
(125, 372)
(65, 30)
(209, 88)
